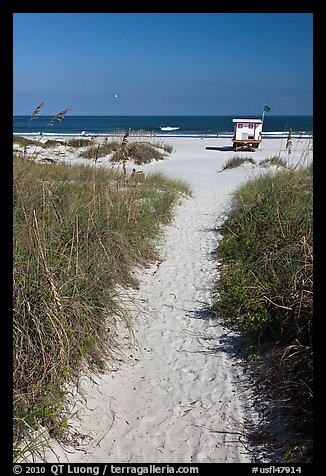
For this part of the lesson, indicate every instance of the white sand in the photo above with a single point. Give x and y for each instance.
(182, 397)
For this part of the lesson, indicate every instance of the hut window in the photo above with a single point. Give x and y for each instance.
(239, 125)
(251, 126)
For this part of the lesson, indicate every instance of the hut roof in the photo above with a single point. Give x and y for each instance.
(256, 121)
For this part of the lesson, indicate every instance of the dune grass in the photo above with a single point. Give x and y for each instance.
(141, 152)
(79, 233)
(95, 151)
(266, 291)
(275, 160)
(237, 161)
(137, 151)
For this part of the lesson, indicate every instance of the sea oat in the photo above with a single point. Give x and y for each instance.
(37, 111)
(58, 117)
(289, 142)
(124, 151)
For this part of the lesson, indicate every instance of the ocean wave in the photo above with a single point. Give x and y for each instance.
(226, 135)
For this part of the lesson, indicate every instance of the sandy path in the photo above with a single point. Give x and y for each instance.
(181, 398)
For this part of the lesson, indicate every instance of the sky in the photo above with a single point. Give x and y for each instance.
(163, 63)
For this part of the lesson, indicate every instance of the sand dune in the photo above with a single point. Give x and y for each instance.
(181, 394)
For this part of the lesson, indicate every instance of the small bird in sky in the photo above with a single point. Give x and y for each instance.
(115, 95)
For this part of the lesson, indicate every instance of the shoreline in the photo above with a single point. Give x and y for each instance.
(265, 135)
(198, 125)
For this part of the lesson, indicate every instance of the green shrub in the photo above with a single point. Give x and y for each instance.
(266, 291)
(268, 234)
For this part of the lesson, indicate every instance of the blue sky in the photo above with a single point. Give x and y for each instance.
(163, 63)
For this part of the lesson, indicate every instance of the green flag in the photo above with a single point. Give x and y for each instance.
(267, 108)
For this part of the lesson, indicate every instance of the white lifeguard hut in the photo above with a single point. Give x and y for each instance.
(247, 134)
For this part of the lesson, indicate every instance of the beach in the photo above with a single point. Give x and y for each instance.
(178, 393)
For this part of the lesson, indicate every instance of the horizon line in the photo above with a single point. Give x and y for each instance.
(161, 115)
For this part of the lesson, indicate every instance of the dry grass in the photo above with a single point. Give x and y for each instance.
(236, 161)
(79, 232)
(138, 152)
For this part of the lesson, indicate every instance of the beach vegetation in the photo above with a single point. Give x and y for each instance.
(273, 161)
(24, 141)
(77, 142)
(51, 143)
(266, 291)
(237, 161)
(141, 152)
(35, 143)
(137, 151)
(35, 114)
(168, 148)
(96, 150)
(79, 234)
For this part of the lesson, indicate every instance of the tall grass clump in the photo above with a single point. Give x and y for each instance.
(266, 290)
(139, 152)
(78, 234)
(25, 142)
(95, 151)
(35, 114)
(236, 161)
(142, 152)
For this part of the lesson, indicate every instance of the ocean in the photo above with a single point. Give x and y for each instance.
(162, 126)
